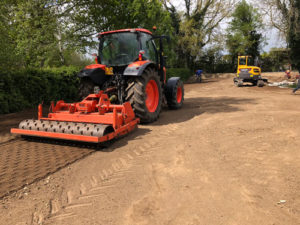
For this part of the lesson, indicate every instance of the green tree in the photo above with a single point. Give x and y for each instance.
(294, 34)
(275, 60)
(196, 26)
(91, 17)
(7, 42)
(243, 36)
(41, 33)
(285, 16)
(35, 26)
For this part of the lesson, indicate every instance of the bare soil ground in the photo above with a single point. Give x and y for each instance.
(229, 156)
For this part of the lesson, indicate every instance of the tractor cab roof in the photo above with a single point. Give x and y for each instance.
(125, 30)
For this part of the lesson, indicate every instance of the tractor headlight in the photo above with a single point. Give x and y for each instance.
(109, 71)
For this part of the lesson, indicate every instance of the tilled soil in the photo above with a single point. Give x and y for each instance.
(229, 156)
(23, 162)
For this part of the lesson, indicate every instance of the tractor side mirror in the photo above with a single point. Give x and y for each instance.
(167, 37)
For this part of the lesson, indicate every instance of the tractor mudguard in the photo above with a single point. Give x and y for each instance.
(96, 72)
(137, 68)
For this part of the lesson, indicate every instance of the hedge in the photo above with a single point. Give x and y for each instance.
(27, 88)
(183, 73)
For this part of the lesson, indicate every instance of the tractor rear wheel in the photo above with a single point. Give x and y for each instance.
(86, 87)
(145, 95)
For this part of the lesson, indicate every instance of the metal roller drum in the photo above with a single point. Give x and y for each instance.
(24, 124)
(86, 129)
(62, 127)
(77, 129)
(44, 125)
(102, 130)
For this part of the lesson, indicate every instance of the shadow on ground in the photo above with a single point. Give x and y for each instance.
(205, 80)
(196, 106)
(26, 161)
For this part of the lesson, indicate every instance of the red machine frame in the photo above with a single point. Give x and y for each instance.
(95, 108)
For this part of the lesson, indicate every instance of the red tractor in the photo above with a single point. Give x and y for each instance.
(129, 68)
(128, 81)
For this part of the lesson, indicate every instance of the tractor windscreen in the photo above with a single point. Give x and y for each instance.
(119, 49)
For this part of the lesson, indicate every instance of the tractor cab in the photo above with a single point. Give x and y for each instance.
(121, 48)
(129, 68)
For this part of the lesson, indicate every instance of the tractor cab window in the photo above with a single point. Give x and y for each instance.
(119, 49)
(148, 46)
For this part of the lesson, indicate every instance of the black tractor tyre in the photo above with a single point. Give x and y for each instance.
(254, 83)
(260, 83)
(175, 95)
(86, 87)
(136, 94)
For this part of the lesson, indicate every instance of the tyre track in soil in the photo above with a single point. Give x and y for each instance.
(94, 186)
(7, 139)
(24, 162)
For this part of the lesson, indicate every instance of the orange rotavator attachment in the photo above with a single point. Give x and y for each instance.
(92, 120)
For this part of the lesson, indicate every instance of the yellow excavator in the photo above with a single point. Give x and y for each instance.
(248, 71)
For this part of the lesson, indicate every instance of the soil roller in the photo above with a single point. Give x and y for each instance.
(94, 120)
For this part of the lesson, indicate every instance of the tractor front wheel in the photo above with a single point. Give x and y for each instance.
(145, 95)
(174, 93)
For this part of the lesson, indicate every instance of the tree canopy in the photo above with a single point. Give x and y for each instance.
(243, 35)
(285, 16)
(44, 32)
(197, 26)
(53, 33)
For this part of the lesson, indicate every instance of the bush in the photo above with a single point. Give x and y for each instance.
(27, 88)
(183, 73)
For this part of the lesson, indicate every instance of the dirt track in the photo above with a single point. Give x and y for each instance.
(229, 156)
